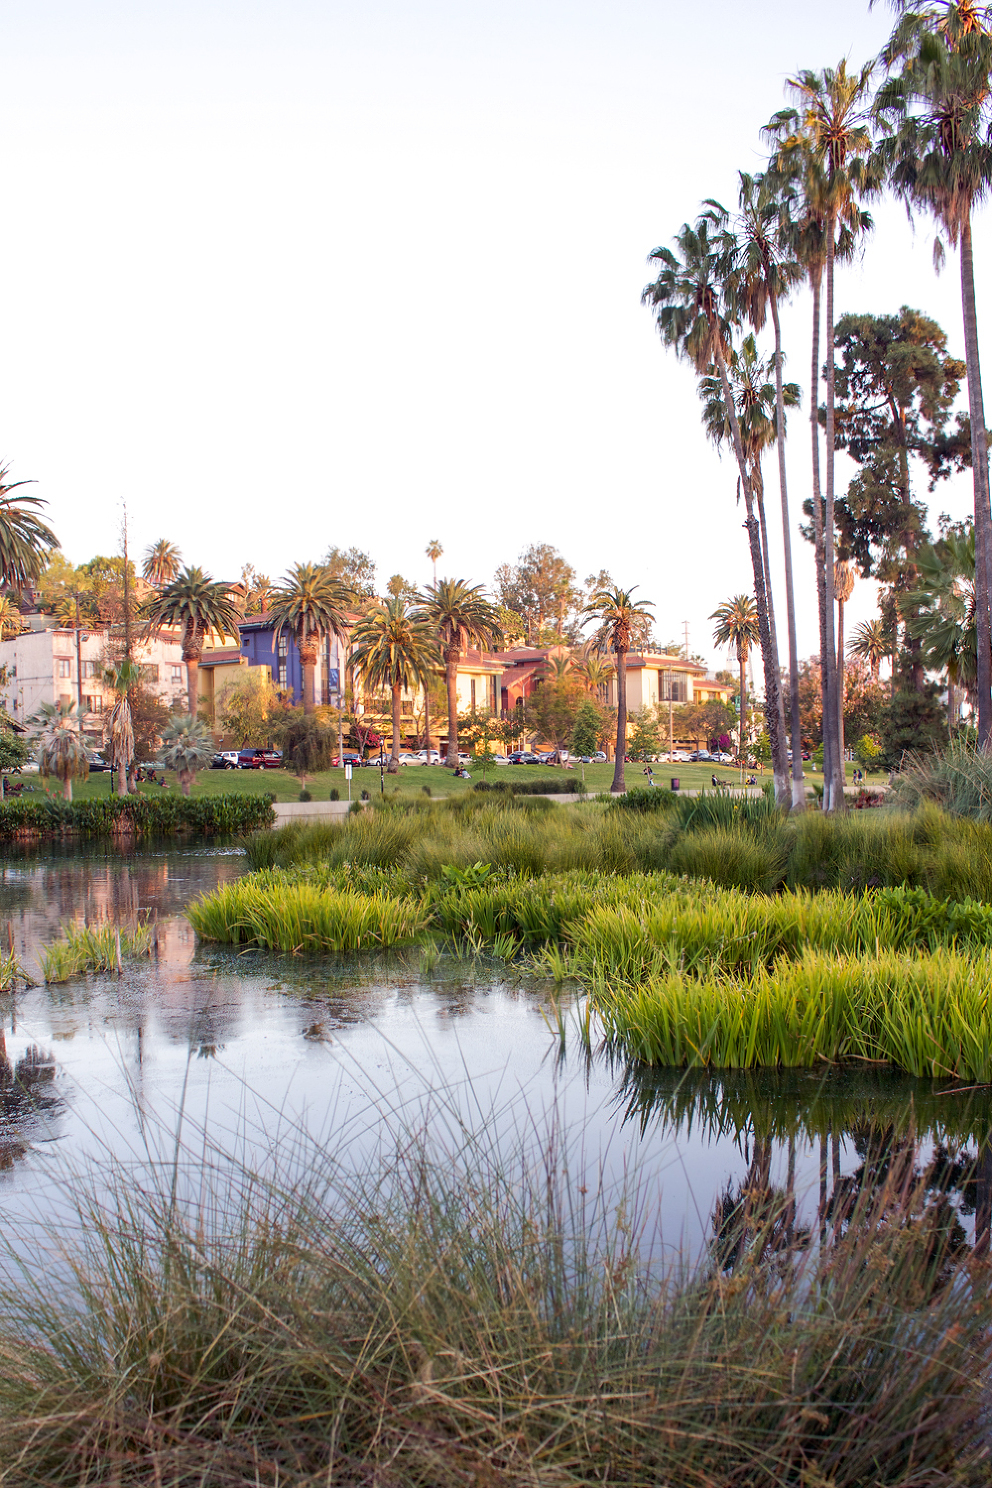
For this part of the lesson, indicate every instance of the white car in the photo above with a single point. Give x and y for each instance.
(411, 759)
(680, 757)
(722, 759)
(435, 758)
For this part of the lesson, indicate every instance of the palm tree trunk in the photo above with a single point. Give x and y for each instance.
(780, 767)
(451, 659)
(980, 477)
(427, 718)
(833, 798)
(192, 683)
(840, 676)
(798, 782)
(393, 768)
(821, 592)
(742, 659)
(67, 789)
(619, 785)
(768, 657)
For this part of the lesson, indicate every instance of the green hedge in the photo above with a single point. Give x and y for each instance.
(556, 786)
(145, 816)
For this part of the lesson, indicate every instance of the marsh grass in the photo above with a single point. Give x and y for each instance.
(458, 1314)
(303, 917)
(87, 948)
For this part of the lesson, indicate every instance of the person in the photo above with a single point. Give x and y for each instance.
(751, 780)
(462, 774)
(649, 773)
(716, 782)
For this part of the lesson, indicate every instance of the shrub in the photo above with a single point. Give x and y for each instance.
(335, 793)
(142, 816)
(305, 795)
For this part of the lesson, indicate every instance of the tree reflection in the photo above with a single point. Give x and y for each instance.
(27, 1096)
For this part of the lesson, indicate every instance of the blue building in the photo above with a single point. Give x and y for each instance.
(260, 647)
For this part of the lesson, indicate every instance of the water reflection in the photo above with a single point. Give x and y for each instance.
(29, 1101)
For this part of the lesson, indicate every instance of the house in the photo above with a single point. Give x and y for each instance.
(51, 664)
(652, 678)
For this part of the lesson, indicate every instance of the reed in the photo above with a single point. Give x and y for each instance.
(456, 1316)
(302, 917)
(92, 948)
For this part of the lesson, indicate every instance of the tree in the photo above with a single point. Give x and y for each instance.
(309, 604)
(119, 727)
(586, 729)
(11, 621)
(308, 745)
(553, 707)
(540, 588)
(913, 722)
(15, 749)
(256, 590)
(461, 616)
(619, 613)
(62, 752)
(353, 569)
(595, 673)
(25, 540)
(187, 746)
(944, 622)
(197, 605)
(895, 387)
(871, 643)
(645, 735)
(149, 716)
(434, 551)
(401, 588)
(828, 142)
(932, 111)
(843, 588)
(244, 706)
(766, 270)
(690, 300)
(395, 647)
(162, 563)
(737, 627)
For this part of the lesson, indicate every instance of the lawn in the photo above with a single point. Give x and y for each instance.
(412, 779)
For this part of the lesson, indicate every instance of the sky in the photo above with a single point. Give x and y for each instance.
(282, 276)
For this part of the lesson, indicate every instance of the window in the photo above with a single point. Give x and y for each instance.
(91, 669)
(149, 672)
(673, 687)
(281, 666)
(92, 702)
(176, 672)
(472, 692)
(65, 667)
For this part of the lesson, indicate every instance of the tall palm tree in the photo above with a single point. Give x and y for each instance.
(933, 110)
(434, 551)
(690, 299)
(120, 725)
(766, 270)
(395, 647)
(197, 604)
(870, 642)
(25, 540)
(619, 614)
(62, 752)
(461, 616)
(737, 626)
(310, 603)
(827, 143)
(756, 397)
(843, 588)
(162, 562)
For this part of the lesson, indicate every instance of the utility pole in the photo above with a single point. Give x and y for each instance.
(685, 631)
(671, 732)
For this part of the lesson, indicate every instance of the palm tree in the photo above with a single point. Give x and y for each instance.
(434, 551)
(25, 540)
(197, 604)
(737, 627)
(619, 614)
(595, 673)
(843, 588)
(161, 565)
(10, 617)
(461, 616)
(120, 726)
(558, 668)
(395, 647)
(690, 299)
(824, 157)
(945, 621)
(756, 397)
(310, 604)
(933, 115)
(766, 271)
(62, 751)
(187, 746)
(870, 642)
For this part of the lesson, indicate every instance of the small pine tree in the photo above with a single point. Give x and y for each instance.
(914, 721)
(586, 730)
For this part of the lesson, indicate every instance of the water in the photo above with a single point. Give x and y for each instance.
(256, 1049)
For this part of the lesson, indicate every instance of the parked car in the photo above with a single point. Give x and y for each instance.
(524, 757)
(259, 759)
(97, 763)
(227, 759)
(700, 755)
(411, 759)
(348, 758)
(435, 758)
(680, 757)
(722, 758)
(498, 759)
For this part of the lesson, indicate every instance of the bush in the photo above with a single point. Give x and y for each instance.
(142, 816)
(305, 795)
(335, 793)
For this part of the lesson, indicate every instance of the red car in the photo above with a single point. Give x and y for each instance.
(259, 759)
(347, 759)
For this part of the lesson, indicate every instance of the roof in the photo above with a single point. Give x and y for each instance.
(231, 656)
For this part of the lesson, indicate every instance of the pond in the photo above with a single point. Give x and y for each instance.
(256, 1049)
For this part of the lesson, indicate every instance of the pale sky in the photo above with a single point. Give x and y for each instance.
(283, 275)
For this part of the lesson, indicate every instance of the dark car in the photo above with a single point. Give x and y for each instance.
(524, 757)
(259, 759)
(347, 759)
(97, 762)
(227, 759)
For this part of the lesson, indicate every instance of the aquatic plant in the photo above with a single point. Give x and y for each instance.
(299, 917)
(92, 948)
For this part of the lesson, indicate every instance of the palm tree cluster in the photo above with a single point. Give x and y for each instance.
(922, 135)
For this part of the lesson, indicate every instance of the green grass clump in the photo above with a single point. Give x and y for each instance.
(929, 1015)
(164, 814)
(84, 948)
(452, 1317)
(296, 917)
